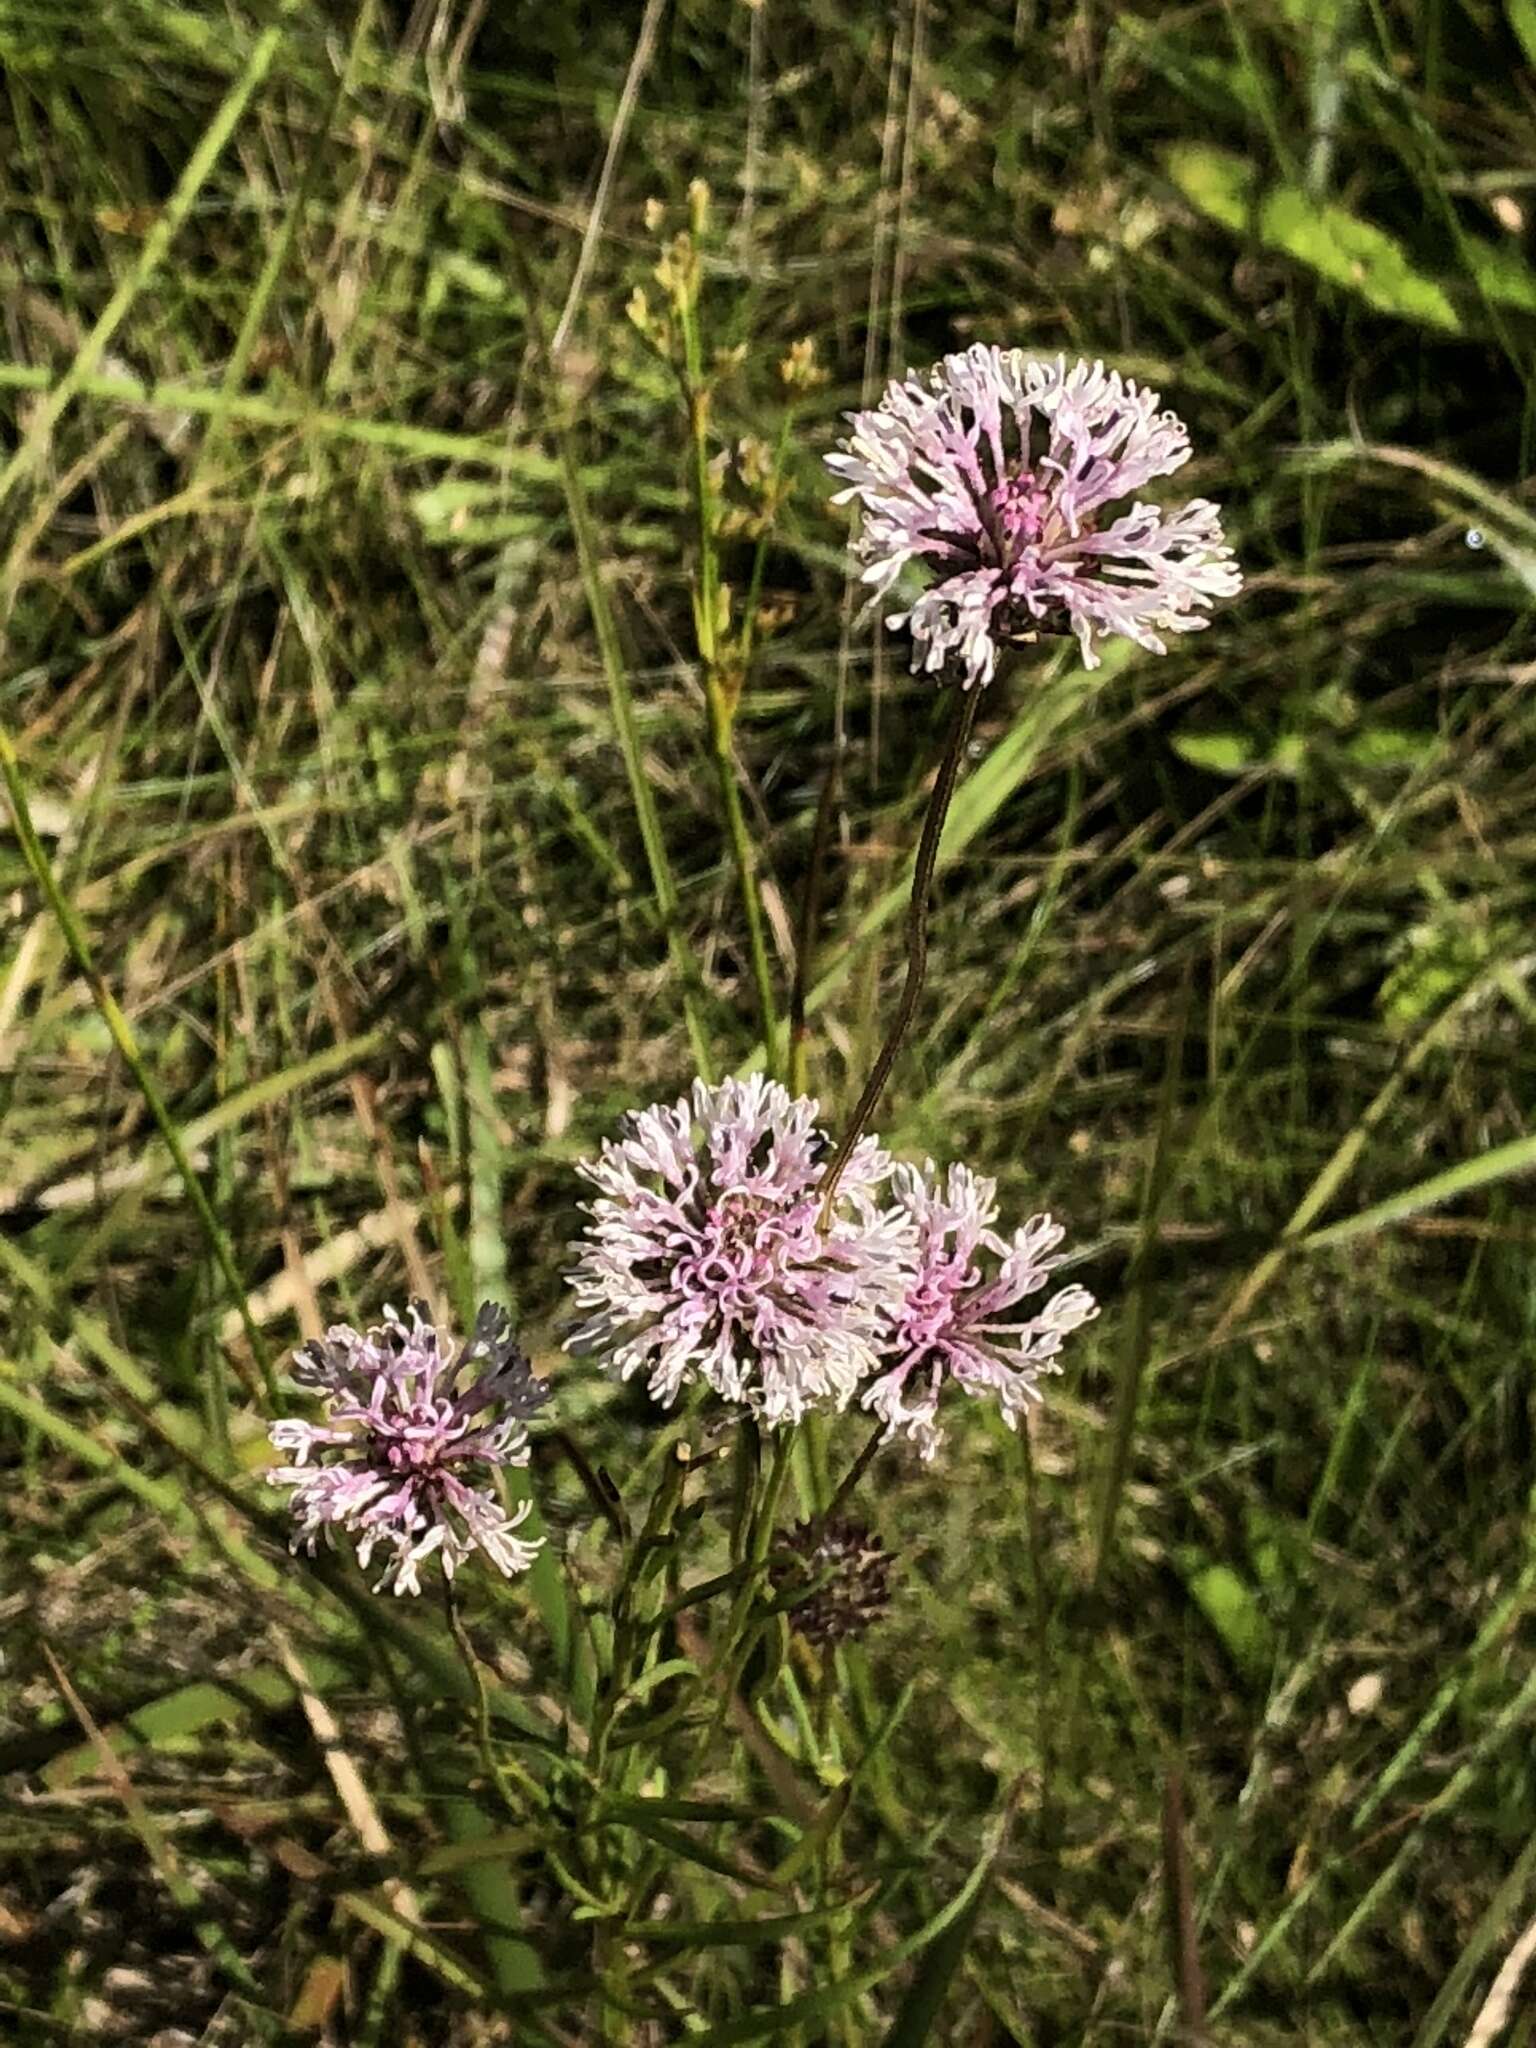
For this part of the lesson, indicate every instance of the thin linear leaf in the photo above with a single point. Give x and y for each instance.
(1490, 1927)
(1503, 1161)
(252, 409)
(165, 1858)
(930, 1986)
(815, 2006)
(665, 1836)
(702, 1934)
(190, 1709)
(441, 1961)
(156, 247)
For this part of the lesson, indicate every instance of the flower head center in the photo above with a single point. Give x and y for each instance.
(743, 1246)
(415, 1437)
(934, 1308)
(1022, 510)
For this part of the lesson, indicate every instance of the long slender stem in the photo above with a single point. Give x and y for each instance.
(494, 1769)
(720, 720)
(810, 917)
(1045, 1691)
(1138, 1331)
(663, 885)
(616, 675)
(127, 1046)
(723, 693)
(851, 1477)
(760, 552)
(962, 719)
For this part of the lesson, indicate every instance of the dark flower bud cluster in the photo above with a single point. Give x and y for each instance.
(843, 1571)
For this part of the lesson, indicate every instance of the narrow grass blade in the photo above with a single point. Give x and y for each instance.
(705, 1934)
(615, 670)
(164, 1857)
(1490, 1927)
(128, 1050)
(1445, 1696)
(252, 408)
(815, 2006)
(1518, 1156)
(1139, 1327)
(157, 245)
(931, 1982)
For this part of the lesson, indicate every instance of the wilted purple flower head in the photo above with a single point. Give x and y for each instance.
(415, 1440)
(705, 1257)
(962, 1317)
(838, 1575)
(995, 474)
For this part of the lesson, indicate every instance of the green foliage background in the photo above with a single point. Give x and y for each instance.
(1232, 950)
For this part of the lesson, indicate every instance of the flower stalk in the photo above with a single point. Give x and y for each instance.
(962, 718)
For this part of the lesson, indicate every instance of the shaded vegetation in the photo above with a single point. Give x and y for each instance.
(1232, 967)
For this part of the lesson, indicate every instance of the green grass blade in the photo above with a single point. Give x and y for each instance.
(157, 244)
(1499, 1163)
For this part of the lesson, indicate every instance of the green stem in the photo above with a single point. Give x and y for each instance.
(760, 553)
(720, 720)
(961, 721)
(772, 1492)
(722, 696)
(616, 674)
(663, 886)
(851, 1477)
(1045, 1691)
(630, 1633)
(121, 1033)
(494, 1769)
(810, 917)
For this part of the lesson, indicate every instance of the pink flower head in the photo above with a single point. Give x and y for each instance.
(705, 1258)
(995, 475)
(414, 1440)
(962, 1316)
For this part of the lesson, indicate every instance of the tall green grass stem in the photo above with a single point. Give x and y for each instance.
(157, 245)
(723, 757)
(121, 1033)
(723, 693)
(615, 670)
(810, 918)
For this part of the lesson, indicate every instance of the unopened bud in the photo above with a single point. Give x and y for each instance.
(800, 371)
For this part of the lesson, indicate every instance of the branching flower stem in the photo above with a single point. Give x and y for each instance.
(962, 718)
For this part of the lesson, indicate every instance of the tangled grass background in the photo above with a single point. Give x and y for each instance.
(393, 765)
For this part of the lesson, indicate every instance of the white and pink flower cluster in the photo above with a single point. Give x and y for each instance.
(994, 476)
(410, 1444)
(711, 1258)
(708, 1260)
